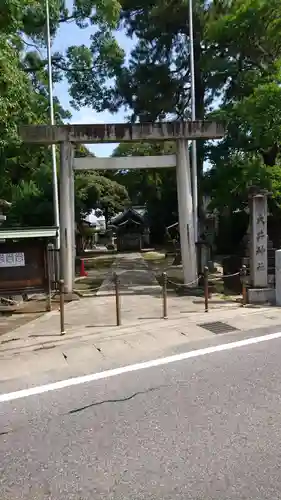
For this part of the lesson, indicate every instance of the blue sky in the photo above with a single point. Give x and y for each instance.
(70, 34)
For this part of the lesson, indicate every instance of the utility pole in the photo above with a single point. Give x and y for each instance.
(52, 120)
(193, 117)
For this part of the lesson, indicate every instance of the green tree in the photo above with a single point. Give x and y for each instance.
(237, 55)
(250, 152)
(32, 197)
(25, 171)
(252, 76)
(93, 190)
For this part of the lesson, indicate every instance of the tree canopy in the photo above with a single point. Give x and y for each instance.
(26, 171)
(237, 47)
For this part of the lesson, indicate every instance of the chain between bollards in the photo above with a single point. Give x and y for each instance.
(206, 288)
(62, 330)
(164, 295)
(117, 299)
(243, 282)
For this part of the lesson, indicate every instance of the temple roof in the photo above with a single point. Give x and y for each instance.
(128, 215)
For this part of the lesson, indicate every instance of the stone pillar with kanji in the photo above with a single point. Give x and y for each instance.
(258, 237)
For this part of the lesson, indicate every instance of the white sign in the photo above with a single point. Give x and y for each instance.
(12, 259)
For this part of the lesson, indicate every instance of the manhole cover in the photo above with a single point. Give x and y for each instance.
(218, 327)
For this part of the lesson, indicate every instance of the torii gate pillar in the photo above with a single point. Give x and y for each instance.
(67, 236)
(187, 241)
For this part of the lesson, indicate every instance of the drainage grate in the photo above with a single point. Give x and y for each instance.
(218, 327)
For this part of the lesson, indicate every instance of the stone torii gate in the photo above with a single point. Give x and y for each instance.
(67, 135)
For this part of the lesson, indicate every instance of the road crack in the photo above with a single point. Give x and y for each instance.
(8, 432)
(117, 400)
(4, 433)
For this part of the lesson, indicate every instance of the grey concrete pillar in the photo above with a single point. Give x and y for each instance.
(66, 238)
(188, 249)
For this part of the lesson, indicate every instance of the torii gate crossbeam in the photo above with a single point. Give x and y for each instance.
(67, 135)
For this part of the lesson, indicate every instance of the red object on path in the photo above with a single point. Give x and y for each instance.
(82, 268)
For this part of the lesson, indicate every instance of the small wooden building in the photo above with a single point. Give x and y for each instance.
(131, 230)
(25, 260)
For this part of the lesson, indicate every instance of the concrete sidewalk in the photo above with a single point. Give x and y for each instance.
(140, 298)
(93, 349)
(93, 341)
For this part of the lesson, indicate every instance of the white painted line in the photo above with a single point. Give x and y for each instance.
(34, 391)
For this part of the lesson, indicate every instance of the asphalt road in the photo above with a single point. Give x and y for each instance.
(204, 428)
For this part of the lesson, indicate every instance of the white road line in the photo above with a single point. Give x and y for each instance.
(34, 391)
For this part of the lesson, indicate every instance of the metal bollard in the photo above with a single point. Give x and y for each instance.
(206, 288)
(243, 275)
(62, 330)
(164, 295)
(117, 299)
